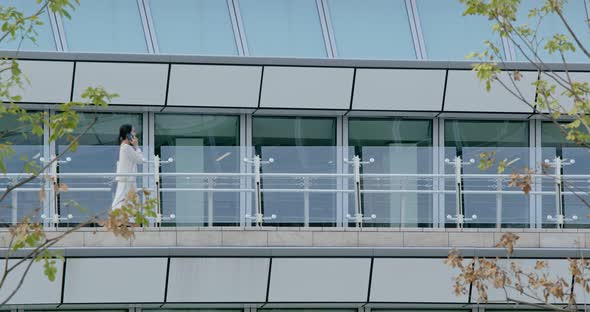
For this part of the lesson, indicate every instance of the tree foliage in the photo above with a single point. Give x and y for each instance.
(560, 99)
(27, 237)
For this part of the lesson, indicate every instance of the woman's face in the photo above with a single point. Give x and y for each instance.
(132, 132)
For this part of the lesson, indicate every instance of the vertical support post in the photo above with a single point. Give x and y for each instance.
(356, 167)
(499, 203)
(156, 168)
(558, 194)
(259, 216)
(459, 217)
(403, 200)
(14, 204)
(306, 184)
(257, 194)
(458, 192)
(210, 202)
(560, 218)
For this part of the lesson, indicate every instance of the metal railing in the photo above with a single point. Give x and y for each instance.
(306, 199)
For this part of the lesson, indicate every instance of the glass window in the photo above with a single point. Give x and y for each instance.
(575, 14)
(199, 144)
(193, 27)
(97, 152)
(397, 146)
(44, 39)
(375, 29)
(105, 26)
(297, 145)
(554, 144)
(283, 28)
(506, 140)
(26, 149)
(448, 35)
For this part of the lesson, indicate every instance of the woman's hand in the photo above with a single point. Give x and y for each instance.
(134, 141)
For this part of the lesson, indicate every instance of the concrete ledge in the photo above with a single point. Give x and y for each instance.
(300, 237)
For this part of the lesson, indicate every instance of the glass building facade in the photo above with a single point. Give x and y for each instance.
(307, 174)
(349, 29)
(305, 156)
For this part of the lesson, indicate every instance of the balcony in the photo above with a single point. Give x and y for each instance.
(311, 187)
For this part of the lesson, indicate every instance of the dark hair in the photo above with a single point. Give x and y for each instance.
(124, 132)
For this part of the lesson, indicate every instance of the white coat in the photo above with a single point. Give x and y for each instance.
(129, 158)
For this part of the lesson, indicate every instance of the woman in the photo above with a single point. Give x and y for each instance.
(129, 157)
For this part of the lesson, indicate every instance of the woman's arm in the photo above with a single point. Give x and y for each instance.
(134, 154)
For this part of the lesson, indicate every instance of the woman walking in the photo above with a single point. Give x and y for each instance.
(129, 157)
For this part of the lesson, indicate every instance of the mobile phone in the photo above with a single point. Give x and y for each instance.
(130, 137)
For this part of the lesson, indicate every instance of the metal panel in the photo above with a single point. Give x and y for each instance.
(306, 88)
(136, 84)
(556, 269)
(398, 89)
(413, 280)
(36, 288)
(319, 280)
(115, 280)
(466, 93)
(214, 86)
(218, 279)
(50, 82)
(566, 102)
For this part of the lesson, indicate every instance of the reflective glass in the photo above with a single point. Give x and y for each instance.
(575, 186)
(44, 40)
(448, 35)
(193, 27)
(283, 28)
(396, 184)
(97, 152)
(375, 29)
(201, 146)
(299, 147)
(574, 12)
(23, 201)
(105, 26)
(486, 197)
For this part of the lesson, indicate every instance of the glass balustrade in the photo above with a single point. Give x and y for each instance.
(397, 186)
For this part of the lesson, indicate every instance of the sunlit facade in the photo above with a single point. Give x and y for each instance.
(307, 154)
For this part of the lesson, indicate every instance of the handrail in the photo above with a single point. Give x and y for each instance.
(253, 185)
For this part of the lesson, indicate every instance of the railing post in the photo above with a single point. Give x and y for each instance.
(560, 217)
(259, 216)
(403, 199)
(499, 203)
(14, 203)
(358, 209)
(54, 217)
(306, 185)
(156, 164)
(210, 202)
(459, 217)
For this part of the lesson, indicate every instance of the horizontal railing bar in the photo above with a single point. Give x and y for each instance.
(205, 190)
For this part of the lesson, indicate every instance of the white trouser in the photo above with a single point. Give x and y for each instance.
(122, 193)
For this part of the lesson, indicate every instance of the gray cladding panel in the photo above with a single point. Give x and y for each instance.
(555, 269)
(136, 84)
(319, 280)
(306, 88)
(398, 89)
(115, 280)
(214, 86)
(466, 93)
(218, 279)
(36, 288)
(413, 280)
(49, 82)
(566, 102)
